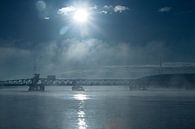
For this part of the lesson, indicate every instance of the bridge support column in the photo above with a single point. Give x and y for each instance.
(35, 86)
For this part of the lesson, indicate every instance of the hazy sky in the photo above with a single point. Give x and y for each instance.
(117, 33)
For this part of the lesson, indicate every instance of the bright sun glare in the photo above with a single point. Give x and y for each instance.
(80, 97)
(81, 15)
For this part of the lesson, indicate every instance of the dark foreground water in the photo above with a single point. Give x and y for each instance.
(101, 109)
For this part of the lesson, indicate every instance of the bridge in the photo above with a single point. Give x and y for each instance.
(38, 84)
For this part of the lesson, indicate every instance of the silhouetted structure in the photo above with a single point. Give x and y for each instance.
(35, 85)
(185, 81)
(38, 84)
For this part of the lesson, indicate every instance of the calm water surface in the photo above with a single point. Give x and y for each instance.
(60, 108)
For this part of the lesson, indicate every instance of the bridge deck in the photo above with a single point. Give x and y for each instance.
(65, 82)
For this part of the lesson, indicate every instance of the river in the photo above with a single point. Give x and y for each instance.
(97, 108)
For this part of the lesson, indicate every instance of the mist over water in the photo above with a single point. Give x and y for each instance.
(88, 58)
(97, 108)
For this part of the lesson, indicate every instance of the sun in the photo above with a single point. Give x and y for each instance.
(81, 15)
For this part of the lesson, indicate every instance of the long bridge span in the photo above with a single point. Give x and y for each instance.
(38, 84)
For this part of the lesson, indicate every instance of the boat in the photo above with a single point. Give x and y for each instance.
(77, 88)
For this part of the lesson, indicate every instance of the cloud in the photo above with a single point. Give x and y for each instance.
(165, 9)
(66, 10)
(95, 7)
(70, 9)
(106, 9)
(104, 12)
(46, 18)
(120, 8)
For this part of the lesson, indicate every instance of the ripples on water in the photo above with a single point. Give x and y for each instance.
(97, 108)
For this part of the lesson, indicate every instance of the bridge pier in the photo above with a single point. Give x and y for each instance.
(34, 86)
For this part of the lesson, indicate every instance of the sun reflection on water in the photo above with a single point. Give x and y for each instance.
(81, 123)
(81, 115)
(80, 97)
